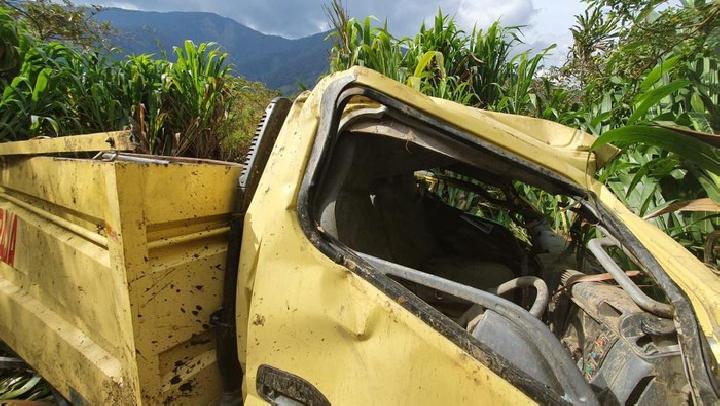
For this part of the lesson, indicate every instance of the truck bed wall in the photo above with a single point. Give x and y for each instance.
(109, 272)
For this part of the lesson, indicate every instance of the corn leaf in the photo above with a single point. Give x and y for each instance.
(649, 99)
(704, 204)
(700, 153)
(657, 72)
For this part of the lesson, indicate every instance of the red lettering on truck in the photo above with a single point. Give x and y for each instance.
(8, 234)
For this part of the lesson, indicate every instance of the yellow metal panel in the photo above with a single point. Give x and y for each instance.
(116, 141)
(175, 261)
(74, 328)
(113, 277)
(60, 350)
(110, 141)
(185, 195)
(319, 321)
(571, 141)
(73, 186)
(51, 245)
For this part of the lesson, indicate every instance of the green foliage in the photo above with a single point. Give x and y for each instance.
(703, 155)
(13, 45)
(663, 114)
(22, 385)
(638, 75)
(187, 107)
(196, 83)
(442, 60)
(50, 20)
(18, 381)
(249, 102)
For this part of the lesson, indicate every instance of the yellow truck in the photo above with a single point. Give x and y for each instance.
(341, 265)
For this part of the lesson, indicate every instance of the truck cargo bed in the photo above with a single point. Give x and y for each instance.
(109, 271)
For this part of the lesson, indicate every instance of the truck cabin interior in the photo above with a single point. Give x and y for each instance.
(448, 221)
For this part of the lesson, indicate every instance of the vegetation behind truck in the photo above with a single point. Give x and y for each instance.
(354, 272)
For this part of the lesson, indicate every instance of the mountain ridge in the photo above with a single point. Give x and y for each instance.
(280, 63)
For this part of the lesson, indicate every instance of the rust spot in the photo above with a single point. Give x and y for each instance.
(175, 379)
(259, 320)
(110, 232)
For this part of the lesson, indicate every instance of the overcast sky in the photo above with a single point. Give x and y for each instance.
(547, 21)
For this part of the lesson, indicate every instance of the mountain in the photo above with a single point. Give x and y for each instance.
(278, 62)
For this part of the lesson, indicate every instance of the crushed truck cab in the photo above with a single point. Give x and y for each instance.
(377, 246)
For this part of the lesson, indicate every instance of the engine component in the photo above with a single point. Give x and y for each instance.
(541, 339)
(628, 355)
(596, 246)
(542, 297)
(509, 341)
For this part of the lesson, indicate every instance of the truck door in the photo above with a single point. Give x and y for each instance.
(314, 331)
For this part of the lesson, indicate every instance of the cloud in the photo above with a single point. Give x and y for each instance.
(404, 17)
(545, 21)
(122, 4)
(294, 18)
(483, 13)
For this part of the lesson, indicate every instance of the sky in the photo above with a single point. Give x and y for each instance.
(545, 21)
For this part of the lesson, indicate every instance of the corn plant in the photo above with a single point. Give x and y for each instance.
(364, 44)
(198, 78)
(516, 95)
(186, 106)
(488, 57)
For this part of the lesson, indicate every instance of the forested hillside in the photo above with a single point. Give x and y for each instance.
(277, 62)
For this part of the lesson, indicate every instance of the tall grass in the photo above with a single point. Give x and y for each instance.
(656, 113)
(442, 60)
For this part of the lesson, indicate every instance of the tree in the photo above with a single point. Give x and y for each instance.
(594, 35)
(49, 20)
